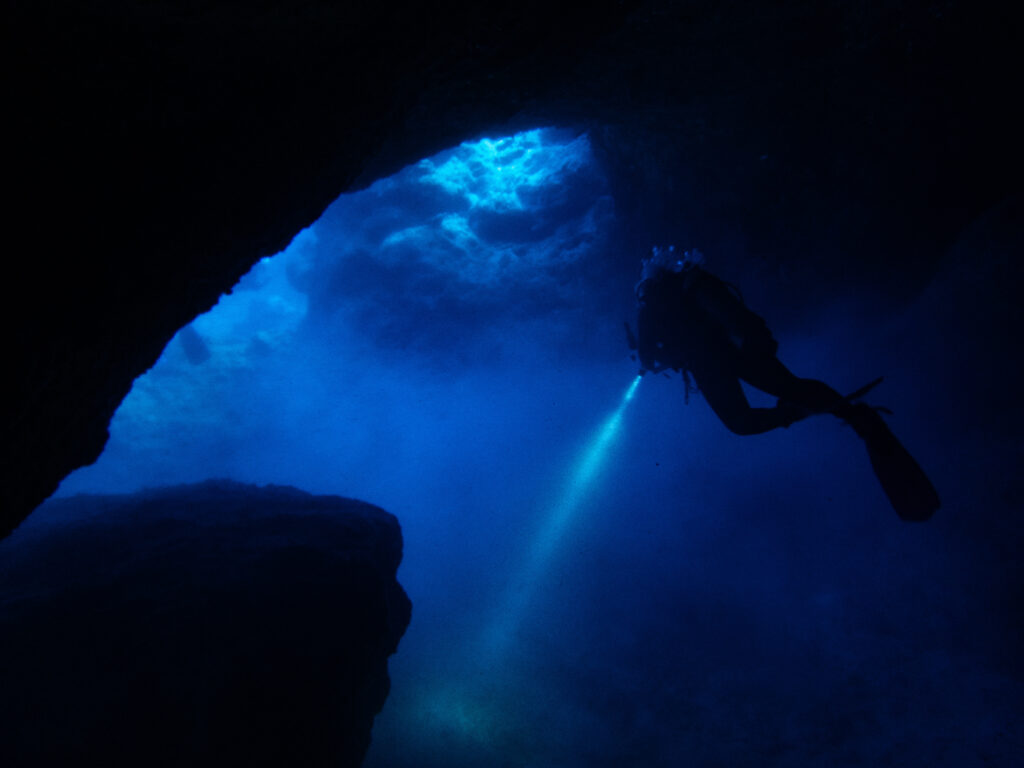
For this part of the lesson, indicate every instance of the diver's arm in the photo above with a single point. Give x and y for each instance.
(746, 327)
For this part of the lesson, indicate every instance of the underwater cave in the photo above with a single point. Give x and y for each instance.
(303, 390)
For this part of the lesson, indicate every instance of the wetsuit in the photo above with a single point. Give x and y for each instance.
(694, 322)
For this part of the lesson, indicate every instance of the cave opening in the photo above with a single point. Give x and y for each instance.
(488, 255)
(443, 344)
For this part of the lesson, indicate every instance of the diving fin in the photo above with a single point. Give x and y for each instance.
(865, 389)
(910, 491)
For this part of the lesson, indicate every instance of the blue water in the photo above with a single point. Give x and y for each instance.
(601, 574)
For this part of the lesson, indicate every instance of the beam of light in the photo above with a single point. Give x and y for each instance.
(465, 709)
(546, 543)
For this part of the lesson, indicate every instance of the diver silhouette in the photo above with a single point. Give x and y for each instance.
(693, 322)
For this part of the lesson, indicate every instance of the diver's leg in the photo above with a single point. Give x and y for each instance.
(721, 388)
(768, 374)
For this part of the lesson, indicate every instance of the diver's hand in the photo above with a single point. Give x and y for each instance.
(651, 367)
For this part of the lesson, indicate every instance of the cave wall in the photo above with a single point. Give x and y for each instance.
(156, 150)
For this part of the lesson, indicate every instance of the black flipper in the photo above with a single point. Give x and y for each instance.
(910, 491)
(865, 389)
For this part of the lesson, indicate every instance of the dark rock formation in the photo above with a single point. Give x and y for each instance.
(156, 150)
(207, 625)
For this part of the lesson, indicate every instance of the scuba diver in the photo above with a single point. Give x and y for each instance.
(692, 322)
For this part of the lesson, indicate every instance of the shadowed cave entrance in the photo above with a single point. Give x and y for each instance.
(445, 344)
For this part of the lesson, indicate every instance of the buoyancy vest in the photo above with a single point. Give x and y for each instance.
(686, 316)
